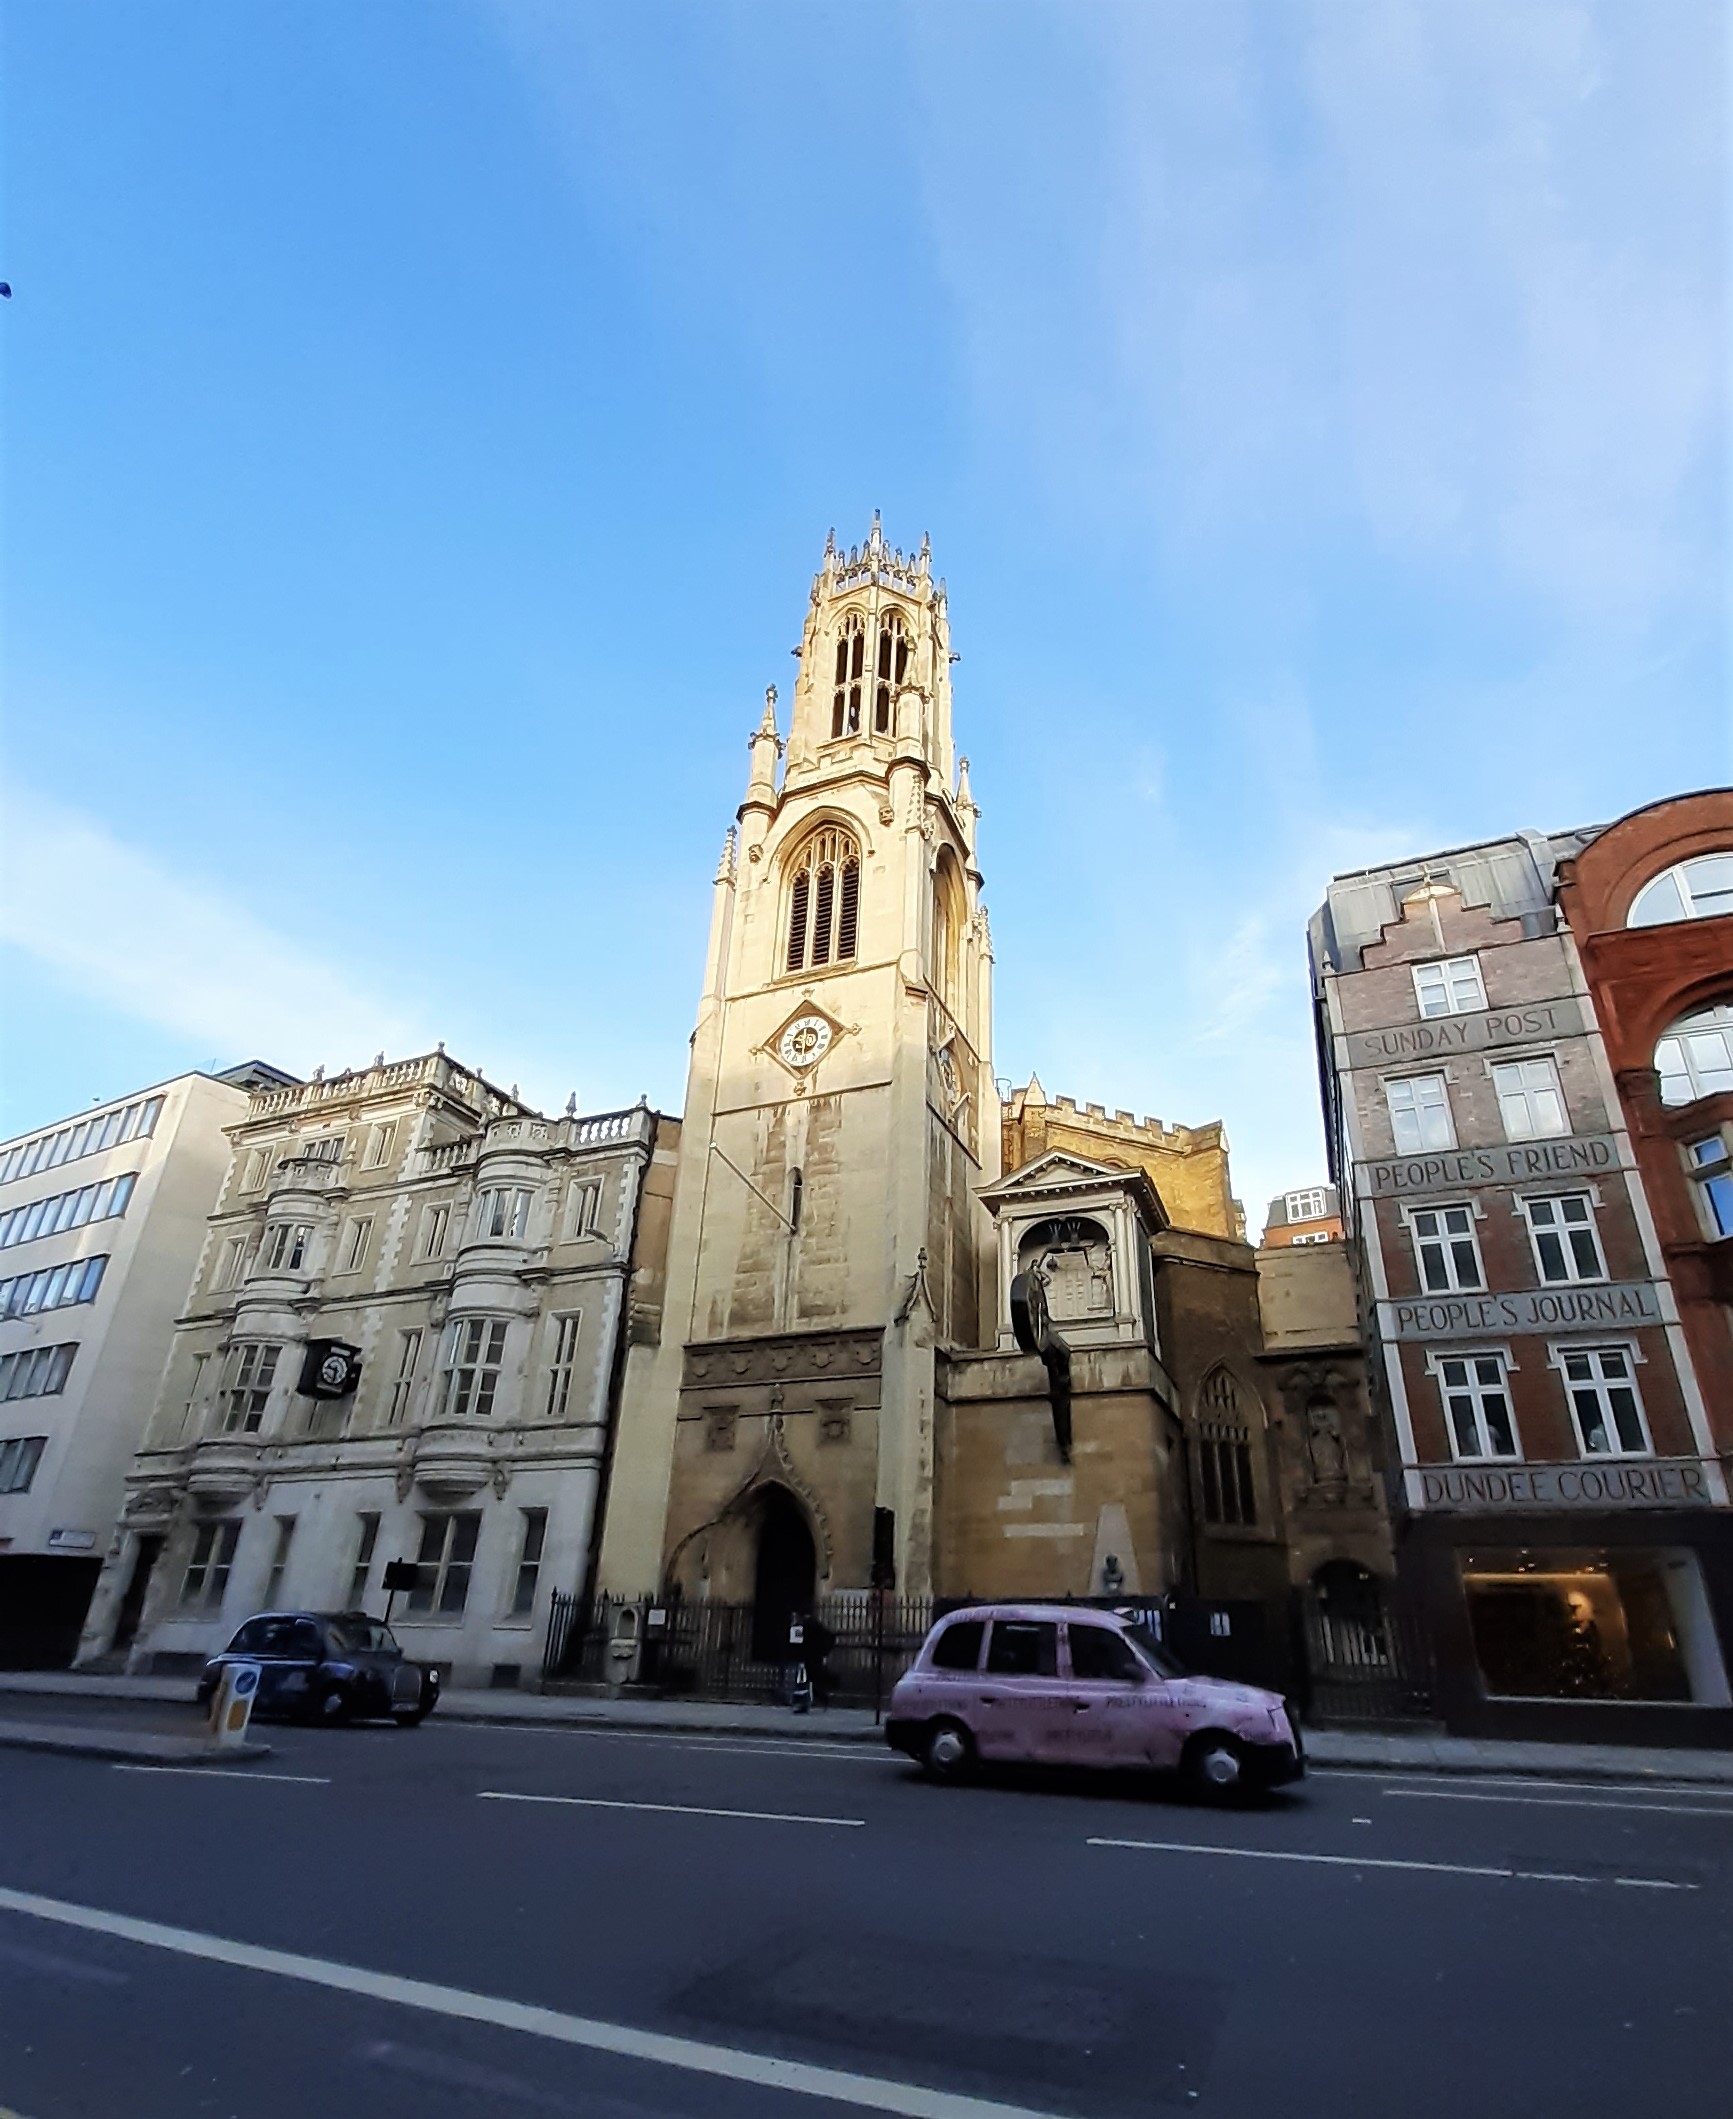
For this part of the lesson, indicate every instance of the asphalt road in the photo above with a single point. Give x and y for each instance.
(461, 1920)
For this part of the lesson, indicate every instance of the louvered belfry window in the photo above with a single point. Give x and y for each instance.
(824, 901)
(850, 672)
(893, 661)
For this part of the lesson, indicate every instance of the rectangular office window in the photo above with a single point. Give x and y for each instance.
(1445, 1248)
(1419, 1113)
(36, 1371)
(1305, 1206)
(1449, 987)
(257, 1170)
(1602, 1387)
(503, 1211)
(1476, 1398)
(355, 1241)
(53, 1288)
(367, 1539)
(565, 1354)
(67, 1210)
(328, 1148)
(279, 1560)
(103, 1129)
(1561, 1230)
(1316, 1236)
(379, 1145)
(247, 1387)
(445, 1561)
(18, 1461)
(583, 1207)
(207, 1575)
(403, 1382)
(433, 1227)
(1529, 1099)
(529, 1566)
(229, 1264)
(1225, 1466)
(1712, 1179)
(284, 1247)
(475, 1350)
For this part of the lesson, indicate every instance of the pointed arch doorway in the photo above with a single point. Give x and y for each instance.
(785, 1574)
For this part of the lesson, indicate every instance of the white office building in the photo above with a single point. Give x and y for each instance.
(102, 1218)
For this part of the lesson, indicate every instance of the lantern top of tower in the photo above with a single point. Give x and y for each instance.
(877, 562)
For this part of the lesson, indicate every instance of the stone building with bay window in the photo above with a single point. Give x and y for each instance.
(405, 1340)
(1528, 1083)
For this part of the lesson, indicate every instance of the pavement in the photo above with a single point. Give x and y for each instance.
(1371, 1750)
(554, 1918)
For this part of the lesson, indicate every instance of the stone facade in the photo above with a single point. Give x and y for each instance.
(1562, 1498)
(840, 1115)
(473, 1261)
(1188, 1165)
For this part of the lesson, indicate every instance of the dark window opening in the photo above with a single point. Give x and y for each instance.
(959, 1646)
(1023, 1648)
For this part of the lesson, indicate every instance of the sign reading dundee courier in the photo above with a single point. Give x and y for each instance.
(1661, 1482)
(1517, 1162)
(1622, 1305)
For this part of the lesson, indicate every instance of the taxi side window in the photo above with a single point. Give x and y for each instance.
(252, 1638)
(1023, 1648)
(304, 1643)
(1099, 1652)
(959, 1646)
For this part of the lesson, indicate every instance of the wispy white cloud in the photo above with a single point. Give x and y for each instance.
(120, 928)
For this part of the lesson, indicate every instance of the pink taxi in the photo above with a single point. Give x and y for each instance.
(1068, 1685)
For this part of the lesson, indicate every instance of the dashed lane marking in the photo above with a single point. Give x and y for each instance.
(1372, 1861)
(1550, 1802)
(232, 1773)
(599, 1802)
(865, 2092)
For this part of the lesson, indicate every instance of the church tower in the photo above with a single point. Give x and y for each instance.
(840, 1116)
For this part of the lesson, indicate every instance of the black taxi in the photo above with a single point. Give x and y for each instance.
(321, 1666)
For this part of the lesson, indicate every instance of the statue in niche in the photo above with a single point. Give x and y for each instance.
(1325, 1448)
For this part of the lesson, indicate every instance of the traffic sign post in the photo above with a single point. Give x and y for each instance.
(232, 1705)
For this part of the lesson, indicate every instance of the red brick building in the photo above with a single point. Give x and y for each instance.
(1527, 1053)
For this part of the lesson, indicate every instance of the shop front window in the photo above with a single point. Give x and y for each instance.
(1576, 1625)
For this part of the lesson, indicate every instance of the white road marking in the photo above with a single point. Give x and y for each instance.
(867, 2092)
(598, 1802)
(233, 1773)
(794, 1747)
(1373, 1861)
(1547, 1802)
(227, 1772)
(1712, 1789)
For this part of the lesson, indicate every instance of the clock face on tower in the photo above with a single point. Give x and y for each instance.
(805, 1041)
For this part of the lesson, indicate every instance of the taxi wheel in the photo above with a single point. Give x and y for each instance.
(1214, 1765)
(948, 1753)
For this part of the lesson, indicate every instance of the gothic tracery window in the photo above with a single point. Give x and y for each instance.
(1224, 1452)
(823, 901)
(893, 662)
(850, 675)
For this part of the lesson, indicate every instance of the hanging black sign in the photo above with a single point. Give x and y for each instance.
(331, 1369)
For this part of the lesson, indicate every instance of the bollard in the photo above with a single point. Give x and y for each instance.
(232, 1705)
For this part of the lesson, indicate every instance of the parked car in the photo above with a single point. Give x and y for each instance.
(323, 1666)
(1060, 1685)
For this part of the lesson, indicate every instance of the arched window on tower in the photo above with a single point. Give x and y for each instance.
(949, 914)
(823, 901)
(893, 662)
(850, 676)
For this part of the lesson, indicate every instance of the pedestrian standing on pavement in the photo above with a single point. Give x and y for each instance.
(818, 1644)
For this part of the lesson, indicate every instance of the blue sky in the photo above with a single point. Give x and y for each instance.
(423, 421)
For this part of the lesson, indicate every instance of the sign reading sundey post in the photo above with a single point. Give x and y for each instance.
(1443, 1034)
(1620, 1306)
(1516, 1162)
(1658, 1482)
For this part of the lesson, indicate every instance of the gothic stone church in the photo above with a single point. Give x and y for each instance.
(824, 1384)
